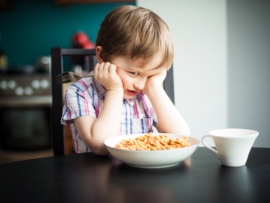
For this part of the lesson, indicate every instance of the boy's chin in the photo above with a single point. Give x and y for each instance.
(129, 96)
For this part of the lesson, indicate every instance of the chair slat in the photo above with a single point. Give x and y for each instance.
(57, 102)
(78, 52)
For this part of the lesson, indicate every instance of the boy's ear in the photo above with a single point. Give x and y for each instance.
(98, 54)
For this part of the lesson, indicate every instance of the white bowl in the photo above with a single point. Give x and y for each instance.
(151, 159)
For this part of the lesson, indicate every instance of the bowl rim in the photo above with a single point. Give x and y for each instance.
(151, 151)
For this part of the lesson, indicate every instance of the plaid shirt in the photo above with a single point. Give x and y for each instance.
(86, 98)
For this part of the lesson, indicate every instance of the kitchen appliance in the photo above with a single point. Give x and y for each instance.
(80, 40)
(25, 110)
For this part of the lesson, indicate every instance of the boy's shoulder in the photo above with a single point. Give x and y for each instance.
(86, 85)
(83, 85)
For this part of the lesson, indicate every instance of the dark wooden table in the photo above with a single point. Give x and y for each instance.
(91, 178)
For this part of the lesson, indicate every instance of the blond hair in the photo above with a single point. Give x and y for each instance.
(137, 32)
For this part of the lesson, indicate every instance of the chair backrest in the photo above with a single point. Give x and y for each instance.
(57, 55)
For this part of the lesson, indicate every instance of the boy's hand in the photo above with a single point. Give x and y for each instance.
(105, 74)
(154, 81)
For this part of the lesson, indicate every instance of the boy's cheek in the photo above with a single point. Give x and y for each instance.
(120, 74)
(123, 82)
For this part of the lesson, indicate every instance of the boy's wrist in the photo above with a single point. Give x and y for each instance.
(119, 91)
(152, 88)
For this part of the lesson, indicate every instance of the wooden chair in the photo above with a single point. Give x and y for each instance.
(57, 55)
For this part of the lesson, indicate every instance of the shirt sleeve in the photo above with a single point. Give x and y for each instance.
(149, 109)
(79, 101)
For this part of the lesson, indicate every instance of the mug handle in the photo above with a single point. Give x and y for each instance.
(207, 146)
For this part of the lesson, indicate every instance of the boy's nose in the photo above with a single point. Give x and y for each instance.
(139, 85)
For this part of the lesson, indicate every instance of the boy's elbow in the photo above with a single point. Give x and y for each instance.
(101, 153)
(97, 147)
(100, 150)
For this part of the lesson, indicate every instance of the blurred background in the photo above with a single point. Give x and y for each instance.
(221, 64)
(28, 31)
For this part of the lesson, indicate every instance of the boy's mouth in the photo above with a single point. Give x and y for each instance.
(131, 92)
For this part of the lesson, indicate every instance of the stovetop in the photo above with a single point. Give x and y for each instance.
(25, 84)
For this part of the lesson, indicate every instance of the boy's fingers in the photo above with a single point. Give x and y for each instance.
(106, 68)
(112, 68)
(165, 72)
(101, 66)
(96, 69)
(101, 69)
(97, 66)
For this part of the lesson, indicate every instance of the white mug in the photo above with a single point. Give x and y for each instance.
(233, 145)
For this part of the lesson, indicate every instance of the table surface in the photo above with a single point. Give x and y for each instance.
(90, 178)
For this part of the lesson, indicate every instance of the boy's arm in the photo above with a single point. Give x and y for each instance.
(94, 131)
(169, 119)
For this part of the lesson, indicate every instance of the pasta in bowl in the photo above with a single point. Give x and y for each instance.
(157, 150)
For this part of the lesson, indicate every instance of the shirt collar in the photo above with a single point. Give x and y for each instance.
(130, 101)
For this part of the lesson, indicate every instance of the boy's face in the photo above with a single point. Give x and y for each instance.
(133, 75)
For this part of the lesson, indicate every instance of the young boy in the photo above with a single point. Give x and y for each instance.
(134, 50)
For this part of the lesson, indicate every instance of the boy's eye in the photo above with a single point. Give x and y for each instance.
(133, 73)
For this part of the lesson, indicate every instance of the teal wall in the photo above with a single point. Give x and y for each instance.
(33, 27)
